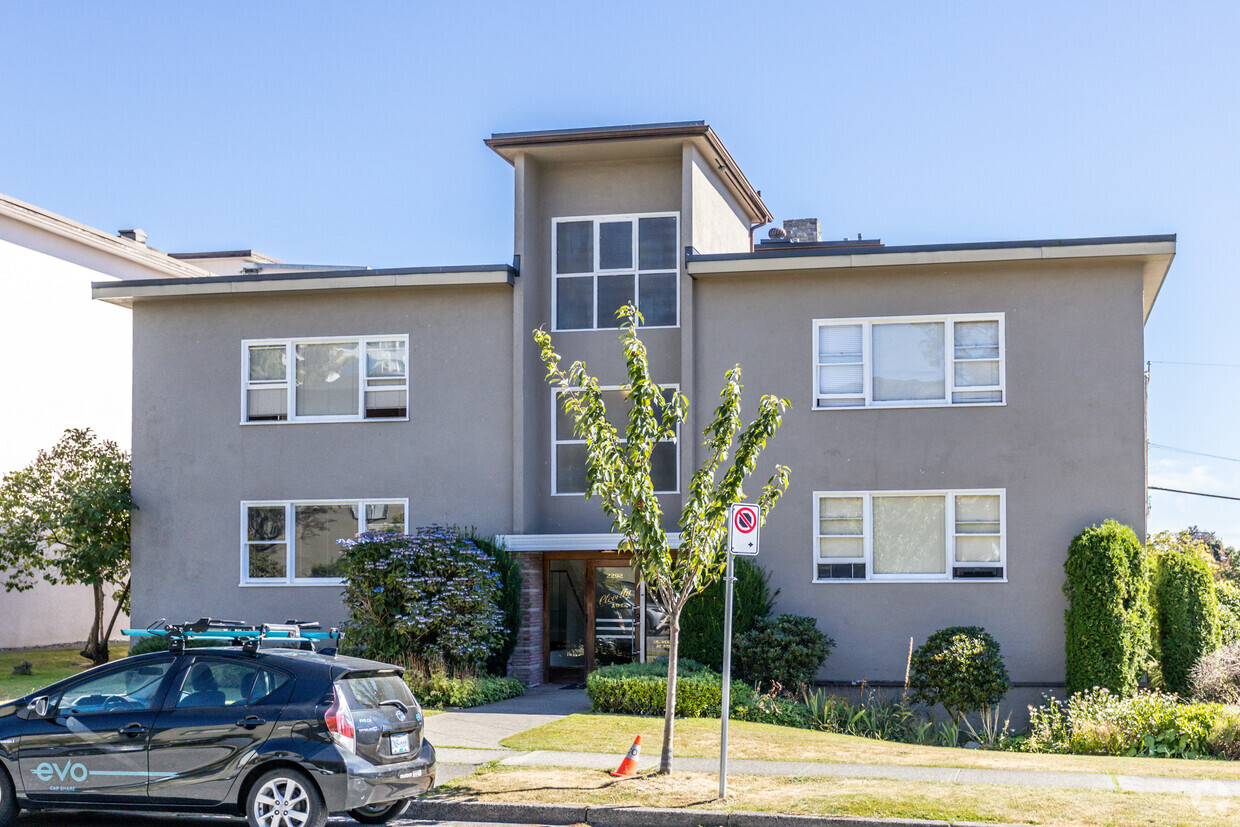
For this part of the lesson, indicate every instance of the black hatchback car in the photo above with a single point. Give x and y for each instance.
(283, 736)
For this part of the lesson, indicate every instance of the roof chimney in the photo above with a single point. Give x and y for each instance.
(133, 235)
(803, 230)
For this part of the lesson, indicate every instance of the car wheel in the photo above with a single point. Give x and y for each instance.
(8, 799)
(380, 813)
(284, 798)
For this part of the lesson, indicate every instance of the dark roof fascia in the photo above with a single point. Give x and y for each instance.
(809, 250)
(317, 274)
(679, 129)
(219, 254)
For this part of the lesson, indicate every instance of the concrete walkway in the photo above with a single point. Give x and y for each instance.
(469, 738)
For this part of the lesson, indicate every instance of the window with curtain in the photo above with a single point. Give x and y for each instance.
(909, 361)
(910, 535)
(326, 380)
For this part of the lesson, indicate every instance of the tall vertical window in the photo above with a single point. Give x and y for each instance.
(900, 362)
(909, 535)
(298, 542)
(326, 380)
(602, 263)
(568, 456)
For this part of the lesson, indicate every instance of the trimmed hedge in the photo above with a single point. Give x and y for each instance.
(1108, 617)
(1187, 615)
(641, 689)
(701, 621)
(960, 668)
(440, 691)
(785, 650)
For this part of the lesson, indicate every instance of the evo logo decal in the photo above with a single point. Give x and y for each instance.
(78, 772)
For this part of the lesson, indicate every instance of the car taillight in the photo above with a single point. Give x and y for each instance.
(339, 720)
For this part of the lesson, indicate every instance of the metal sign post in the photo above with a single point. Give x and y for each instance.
(743, 521)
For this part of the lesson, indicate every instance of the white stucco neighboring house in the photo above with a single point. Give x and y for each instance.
(71, 367)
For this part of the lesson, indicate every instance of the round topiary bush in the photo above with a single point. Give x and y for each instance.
(961, 669)
(431, 599)
(785, 650)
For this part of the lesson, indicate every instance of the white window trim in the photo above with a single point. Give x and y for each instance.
(290, 379)
(867, 557)
(597, 271)
(556, 442)
(290, 528)
(949, 362)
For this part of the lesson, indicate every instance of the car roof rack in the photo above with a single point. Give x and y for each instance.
(239, 633)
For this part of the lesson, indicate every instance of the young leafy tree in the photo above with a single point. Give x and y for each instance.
(618, 475)
(65, 518)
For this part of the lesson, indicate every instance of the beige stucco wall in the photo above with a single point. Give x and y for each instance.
(194, 463)
(48, 615)
(1067, 446)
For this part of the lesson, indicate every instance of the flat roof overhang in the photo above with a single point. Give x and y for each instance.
(127, 292)
(1156, 250)
(634, 141)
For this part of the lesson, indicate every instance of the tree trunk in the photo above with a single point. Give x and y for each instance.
(96, 650)
(669, 713)
(120, 601)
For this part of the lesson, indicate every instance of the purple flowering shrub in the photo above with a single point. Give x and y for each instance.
(431, 597)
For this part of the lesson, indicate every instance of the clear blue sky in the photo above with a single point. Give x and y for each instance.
(351, 133)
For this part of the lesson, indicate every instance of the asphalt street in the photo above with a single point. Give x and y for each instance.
(96, 819)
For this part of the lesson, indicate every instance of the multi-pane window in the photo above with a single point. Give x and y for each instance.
(568, 459)
(603, 263)
(326, 380)
(298, 542)
(908, 361)
(909, 535)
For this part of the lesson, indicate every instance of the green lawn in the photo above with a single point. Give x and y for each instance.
(49, 666)
(699, 738)
(867, 797)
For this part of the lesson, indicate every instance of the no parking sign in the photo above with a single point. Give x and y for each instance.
(743, 529)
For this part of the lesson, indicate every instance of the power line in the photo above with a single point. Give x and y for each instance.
(1194, 453)
(1195, 364)
(1193, 493)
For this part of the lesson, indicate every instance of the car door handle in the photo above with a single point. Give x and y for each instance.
(132, 730)
(250, 721)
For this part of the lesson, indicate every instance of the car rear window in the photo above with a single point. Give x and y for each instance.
(370, 691)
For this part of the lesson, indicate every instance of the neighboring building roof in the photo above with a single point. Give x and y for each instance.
(1158, 250)
(508, 144)
(132, 251)
(127, 292)
(247, 254)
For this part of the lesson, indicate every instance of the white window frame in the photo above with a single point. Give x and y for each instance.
(556, 442)
(950, 533)
(290, 537)
(949, 363)
(290, 379)
(596, 271)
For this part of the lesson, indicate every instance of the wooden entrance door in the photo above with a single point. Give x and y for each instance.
(591, 614)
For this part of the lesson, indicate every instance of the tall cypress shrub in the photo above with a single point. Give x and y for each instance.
(1187, 614)
(1107, 623)
(701, 622)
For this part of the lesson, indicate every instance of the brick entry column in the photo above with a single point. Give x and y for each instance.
(526, 663)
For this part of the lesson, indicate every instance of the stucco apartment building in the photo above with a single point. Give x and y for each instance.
(959, 411)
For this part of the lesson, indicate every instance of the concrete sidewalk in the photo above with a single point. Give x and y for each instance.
(469, 738)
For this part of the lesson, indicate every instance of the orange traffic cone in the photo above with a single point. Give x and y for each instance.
(629, 765)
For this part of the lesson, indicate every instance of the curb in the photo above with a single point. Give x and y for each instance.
(564, 814)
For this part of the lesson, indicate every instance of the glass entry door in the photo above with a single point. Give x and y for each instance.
(593, 616)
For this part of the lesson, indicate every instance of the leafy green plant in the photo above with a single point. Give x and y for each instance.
(641, 689)
(1224, 737)
(701, 626)
(785, 650)
(443, 691)
(432, 595)
(65, 518)
(872, 717)
(1228, 594)
(961, 669)
(509, 598)
(1186, 607)
(618, 474)
(1108, 617)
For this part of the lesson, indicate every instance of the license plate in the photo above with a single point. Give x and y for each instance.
(400, 744)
